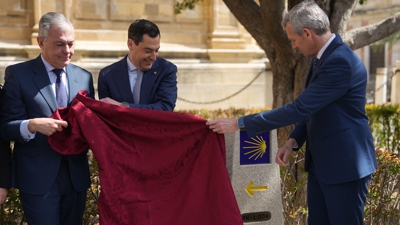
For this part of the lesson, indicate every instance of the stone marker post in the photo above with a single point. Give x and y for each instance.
(255, 177)
(380, 86)
(395, 92)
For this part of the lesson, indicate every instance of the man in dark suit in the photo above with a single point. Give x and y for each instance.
(330, 116)
(52, 186)
(5, 169)
(140, 79)
(5, 164)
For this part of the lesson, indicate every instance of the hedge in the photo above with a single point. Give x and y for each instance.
(383, 200)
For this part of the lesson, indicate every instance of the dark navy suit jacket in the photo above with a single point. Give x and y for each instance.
(330, 116)
(28, 94)
(158, 89)
(5, 159)
(5, 164)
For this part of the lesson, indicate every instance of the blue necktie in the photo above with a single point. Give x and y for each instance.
(61, 92)
(314, 64)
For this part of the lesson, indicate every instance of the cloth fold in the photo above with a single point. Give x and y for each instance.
(155, 167)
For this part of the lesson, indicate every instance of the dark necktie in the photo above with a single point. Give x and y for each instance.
(61, 92)
(314, 64)
(136, 88)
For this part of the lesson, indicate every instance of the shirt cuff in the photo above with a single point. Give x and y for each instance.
(25, 133)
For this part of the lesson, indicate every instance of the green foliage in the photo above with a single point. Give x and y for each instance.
(11, 211)
(294, 190)
(383, 200)
(185, 4)
(91, 215)
(385, 125)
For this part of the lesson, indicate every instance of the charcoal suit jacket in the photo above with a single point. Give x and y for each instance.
(29, 94)
(5, 158)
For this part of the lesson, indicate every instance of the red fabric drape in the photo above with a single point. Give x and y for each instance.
(155, 167)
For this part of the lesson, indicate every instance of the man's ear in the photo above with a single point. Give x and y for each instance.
(130, 43)
(308, 33)
(40, 41)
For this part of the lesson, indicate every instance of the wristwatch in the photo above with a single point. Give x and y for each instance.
(126, 104)
(240, 124)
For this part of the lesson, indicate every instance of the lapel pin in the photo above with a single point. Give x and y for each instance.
(155, 72)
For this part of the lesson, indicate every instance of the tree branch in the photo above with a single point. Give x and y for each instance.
(248, 13)
(272, 24)
(360, 37)
(339, 14)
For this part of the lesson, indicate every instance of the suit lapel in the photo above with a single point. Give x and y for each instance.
(42, 82)
(149, 78)
(332, 46)
(120, 74)
(311, 72)
(309, 75)
(72, 83)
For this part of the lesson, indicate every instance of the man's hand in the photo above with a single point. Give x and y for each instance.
(284, 152)
(223, 125)
(3, 195)
(46, 126)
(110, 100)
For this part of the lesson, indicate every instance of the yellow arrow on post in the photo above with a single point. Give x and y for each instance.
(249, 189)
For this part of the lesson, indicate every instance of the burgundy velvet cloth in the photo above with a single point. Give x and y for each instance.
(155, 167)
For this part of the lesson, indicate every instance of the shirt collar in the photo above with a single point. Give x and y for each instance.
(131, 67)
(325, 46)
(47, 65)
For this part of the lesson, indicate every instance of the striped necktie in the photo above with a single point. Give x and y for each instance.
(136, 88)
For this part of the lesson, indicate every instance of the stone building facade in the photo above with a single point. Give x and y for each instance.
(216, 58)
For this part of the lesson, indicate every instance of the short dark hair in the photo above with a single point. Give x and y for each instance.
(141, 27)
